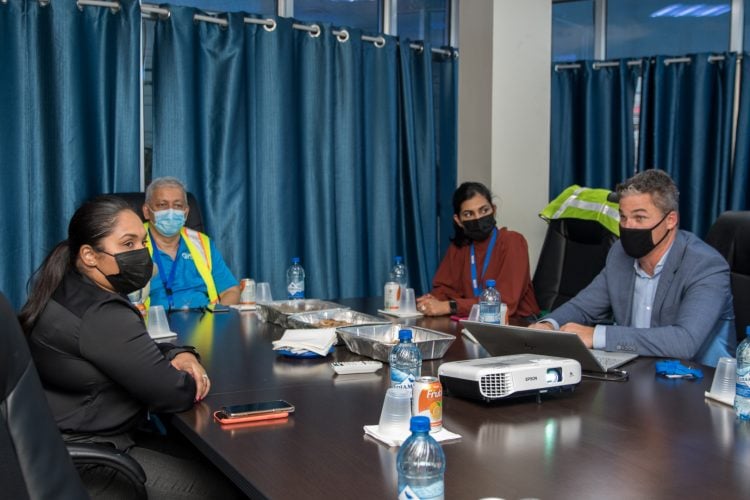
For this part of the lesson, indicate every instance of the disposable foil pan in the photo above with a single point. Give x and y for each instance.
(279, 311)
(333, 318)
(376, 341)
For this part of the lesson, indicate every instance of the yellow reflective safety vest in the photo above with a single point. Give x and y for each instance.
(577, 202)
(199, 246)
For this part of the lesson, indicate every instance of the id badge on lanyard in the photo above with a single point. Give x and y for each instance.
(473, 260)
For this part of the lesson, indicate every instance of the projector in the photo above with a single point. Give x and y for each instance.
(502, 377)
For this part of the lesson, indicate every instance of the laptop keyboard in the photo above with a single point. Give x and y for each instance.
(607, 362)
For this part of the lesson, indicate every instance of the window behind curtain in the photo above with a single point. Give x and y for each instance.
(362, 14)
(424, 20)
(664, 27)
(572, 30)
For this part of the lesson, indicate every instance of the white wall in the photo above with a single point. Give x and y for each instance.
(504, 138)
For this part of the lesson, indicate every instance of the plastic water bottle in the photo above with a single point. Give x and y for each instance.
(742, 393)
(398, 273)
(489, 304)
(406, 361)
(421, 464)
(295, 280)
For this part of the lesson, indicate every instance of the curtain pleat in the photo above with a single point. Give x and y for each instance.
(740, 184)
(303, 146)
(686, 130)
(69, 101)
(445, 79)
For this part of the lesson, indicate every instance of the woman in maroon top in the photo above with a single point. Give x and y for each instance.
(499, 254)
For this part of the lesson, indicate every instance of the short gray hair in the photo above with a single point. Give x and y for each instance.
(161, 182)
(658, 184)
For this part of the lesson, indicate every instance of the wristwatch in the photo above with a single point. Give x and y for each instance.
(454, 307)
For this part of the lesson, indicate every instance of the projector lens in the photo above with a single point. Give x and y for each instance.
(553, 375)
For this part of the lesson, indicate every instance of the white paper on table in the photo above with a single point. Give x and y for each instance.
(317, 340)
(400, 314)
(439, 436)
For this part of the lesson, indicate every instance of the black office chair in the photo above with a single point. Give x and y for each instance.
(194, 219)
(34, 462)
(730, 235)
(573, 253)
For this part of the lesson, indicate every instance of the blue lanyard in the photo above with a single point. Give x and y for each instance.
(170, 280)
(473, 260)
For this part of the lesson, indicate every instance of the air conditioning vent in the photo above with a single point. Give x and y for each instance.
(496, 385)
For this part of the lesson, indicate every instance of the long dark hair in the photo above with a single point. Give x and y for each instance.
(93, 220)
(466, 191)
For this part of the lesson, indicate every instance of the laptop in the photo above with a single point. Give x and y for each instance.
(500, 340)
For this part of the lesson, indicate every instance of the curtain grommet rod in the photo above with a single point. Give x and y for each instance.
(342, 36)
(379, 42)
(210, 19)
(43, 3)
(113, 6)
(268, 24)
(149, 10)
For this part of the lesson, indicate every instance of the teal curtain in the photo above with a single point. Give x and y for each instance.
(445, 80)
(740, 184)
(686, 130)
(300, 145)
(69, 102)
(591, 141)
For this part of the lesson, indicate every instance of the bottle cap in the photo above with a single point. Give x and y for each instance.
(490, 283)
(419, 424)
(404, 335)
(295, 260)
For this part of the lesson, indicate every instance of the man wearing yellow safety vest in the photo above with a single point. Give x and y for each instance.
(189, 270)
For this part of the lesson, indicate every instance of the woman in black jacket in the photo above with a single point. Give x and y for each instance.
(101, 371)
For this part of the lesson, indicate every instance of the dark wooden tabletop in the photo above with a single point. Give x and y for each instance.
(646, 438)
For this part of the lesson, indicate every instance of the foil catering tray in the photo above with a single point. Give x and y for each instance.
(279, 311)
(333, 318)
(376, 341)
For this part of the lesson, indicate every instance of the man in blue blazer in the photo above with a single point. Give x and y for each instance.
(667, 291)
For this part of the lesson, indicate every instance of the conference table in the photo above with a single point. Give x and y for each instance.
(649, 437)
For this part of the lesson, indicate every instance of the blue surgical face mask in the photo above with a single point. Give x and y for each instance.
(169, 222)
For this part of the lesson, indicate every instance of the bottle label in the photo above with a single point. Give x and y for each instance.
(401, 379)
(433, 491)
(742, 389)
(296, 290)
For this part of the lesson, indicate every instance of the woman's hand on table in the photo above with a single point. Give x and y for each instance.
(430, 306)
(187, 362)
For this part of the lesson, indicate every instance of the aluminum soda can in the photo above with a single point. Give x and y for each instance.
(392, 295)
(247, 291)
(427, 401)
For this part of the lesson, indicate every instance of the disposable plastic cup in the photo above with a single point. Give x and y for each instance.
(157, 320)
(474, 313)
(396, 413)
(725, 378)
(263, 293)
(408, 301)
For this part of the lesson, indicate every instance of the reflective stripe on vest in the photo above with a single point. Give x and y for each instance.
(577, 202)
(199, 246)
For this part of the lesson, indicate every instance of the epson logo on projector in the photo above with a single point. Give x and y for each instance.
(529, 379)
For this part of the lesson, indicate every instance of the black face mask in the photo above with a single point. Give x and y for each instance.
(136, 269)
(479, 229)
(638, 243)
